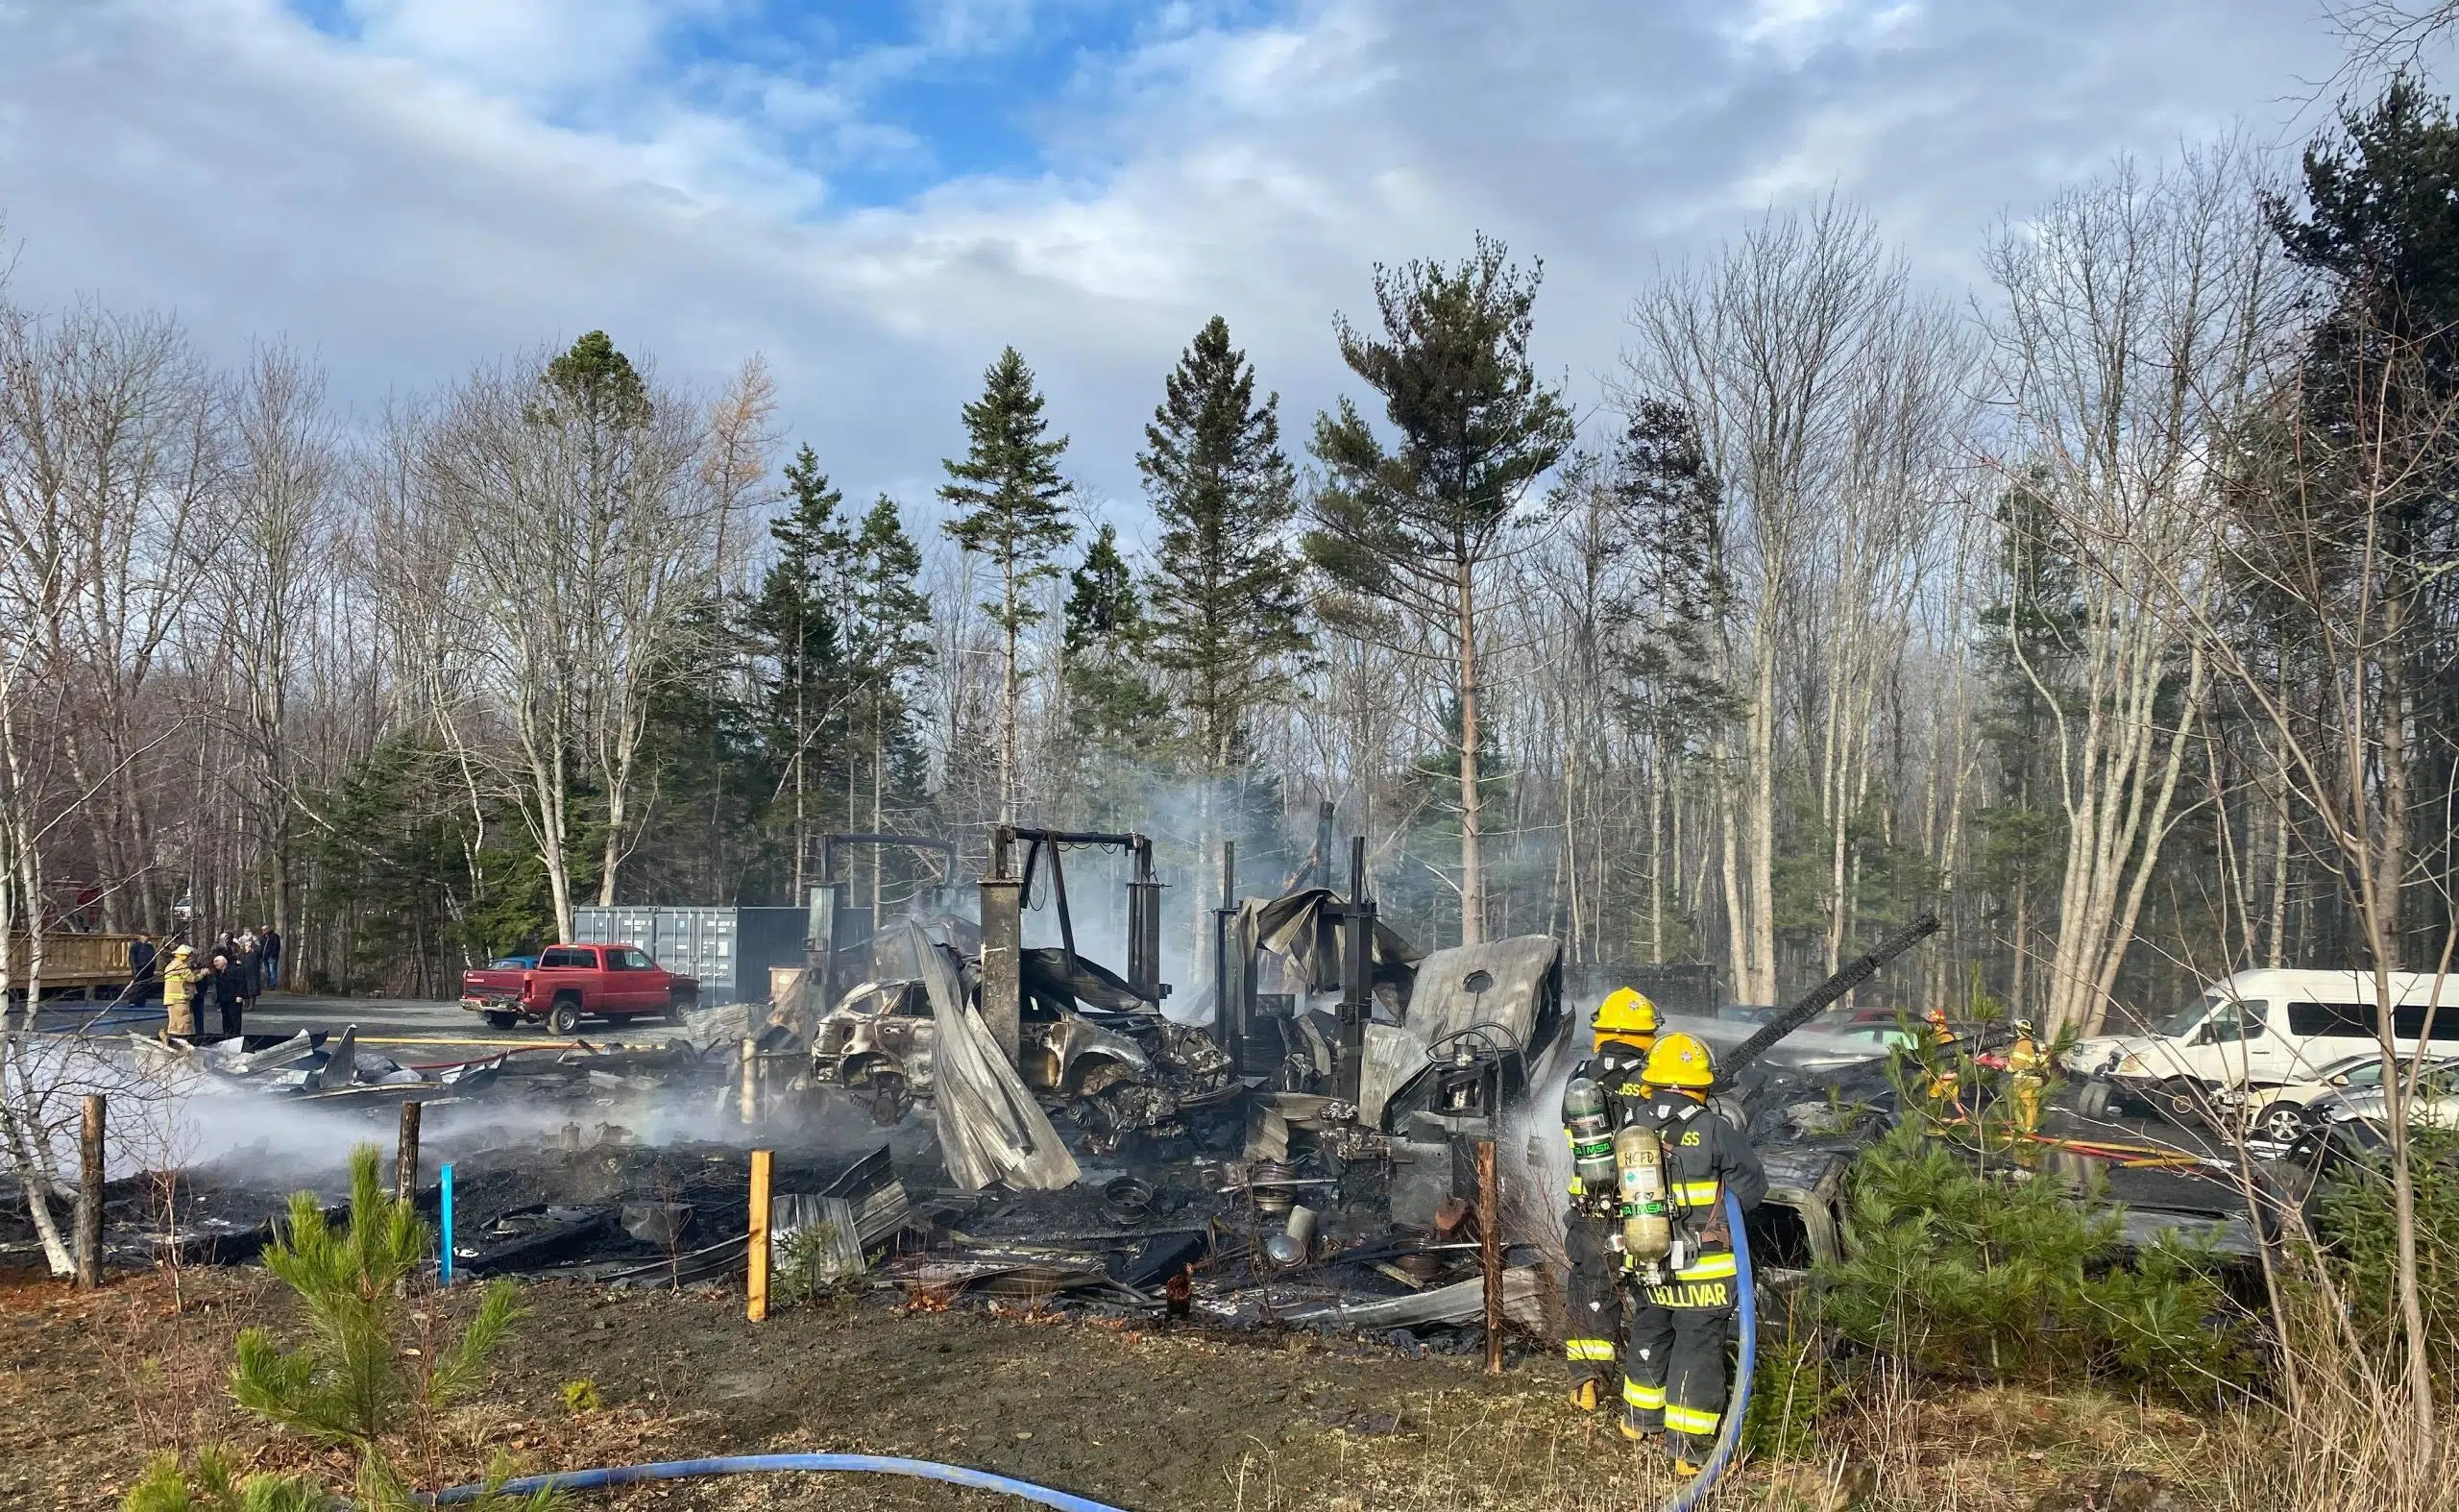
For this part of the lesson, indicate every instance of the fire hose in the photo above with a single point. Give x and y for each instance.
(1719, 1459)
(761, 1464)
(1738, 1403)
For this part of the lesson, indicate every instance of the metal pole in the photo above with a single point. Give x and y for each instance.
(90, 1198)
(756, 1290)
(405, 1159)
(444, 1201)
(1228, 1025)
(1490, 1251)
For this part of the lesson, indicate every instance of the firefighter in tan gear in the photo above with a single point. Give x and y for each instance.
(1673, 1376)
(1603, 1094)
(1943, 1083)
(2027, 1071)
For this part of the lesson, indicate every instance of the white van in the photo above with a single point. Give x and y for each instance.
(2264, 1028)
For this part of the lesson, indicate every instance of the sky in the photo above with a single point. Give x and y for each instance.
(877, 195)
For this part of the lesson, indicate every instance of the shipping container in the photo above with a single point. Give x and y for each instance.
(731, 950)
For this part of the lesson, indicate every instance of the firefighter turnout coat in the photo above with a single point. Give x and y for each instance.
(1592, 1344)
(1673, 1374)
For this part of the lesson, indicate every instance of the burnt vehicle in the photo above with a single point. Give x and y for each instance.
(1088, 1044)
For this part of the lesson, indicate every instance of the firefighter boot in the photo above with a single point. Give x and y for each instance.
(1638, 1432)
(1584, 1396)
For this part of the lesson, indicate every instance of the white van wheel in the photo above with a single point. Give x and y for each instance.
(2180, 1101)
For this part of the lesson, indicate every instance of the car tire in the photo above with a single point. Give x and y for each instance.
(2180, 1101)
(2284, 1124)
(2093, 1101)
(503, 1020)
(564, 1017)
(678, 1005)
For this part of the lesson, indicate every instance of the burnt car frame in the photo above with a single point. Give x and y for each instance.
(1086, 1042)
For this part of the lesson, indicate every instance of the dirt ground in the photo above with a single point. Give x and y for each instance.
(1156, 1419)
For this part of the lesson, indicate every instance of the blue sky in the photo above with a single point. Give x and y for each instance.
(877, 195)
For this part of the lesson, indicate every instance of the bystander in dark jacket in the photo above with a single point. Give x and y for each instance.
(230, 993)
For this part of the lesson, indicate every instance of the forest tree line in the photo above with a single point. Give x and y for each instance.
(2103, 608)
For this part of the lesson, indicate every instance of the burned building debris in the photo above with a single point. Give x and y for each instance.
(955, 1111)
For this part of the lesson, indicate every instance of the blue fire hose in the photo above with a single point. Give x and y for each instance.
(754, 1464)
(1728, 1440)
(1738, 1404)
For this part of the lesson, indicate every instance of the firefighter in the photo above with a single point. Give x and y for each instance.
(2028, 1068)
(178, 995)
(1944, 1086)
(1673, 1377)
(1625, 1028)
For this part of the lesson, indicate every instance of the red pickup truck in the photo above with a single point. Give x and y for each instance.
(570, 982)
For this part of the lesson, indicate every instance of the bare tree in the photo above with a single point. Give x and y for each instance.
(2136, 318)
(1768, 349)
(286, 476)
(572, 490)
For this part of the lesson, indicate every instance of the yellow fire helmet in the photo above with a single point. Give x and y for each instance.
(1625, 1015)
(1680, 1061)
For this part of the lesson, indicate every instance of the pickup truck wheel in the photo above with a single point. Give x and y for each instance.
(564, 1017)
(503, 1020)
(678, 1005)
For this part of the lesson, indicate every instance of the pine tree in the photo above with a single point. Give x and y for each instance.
(887, 643)
(1226, 588)
(1104, 650)
(797, 619)
(1011, 492)
(1412, 527)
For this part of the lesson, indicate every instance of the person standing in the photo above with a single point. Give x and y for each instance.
(179, 984)
(251, 968)
(1674, 1373)
(230, 987)
(1624, 1027)
(270, 949)
(2029, 1068)
(143, 964)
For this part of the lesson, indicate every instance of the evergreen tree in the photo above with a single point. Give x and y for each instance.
(2376, 517)
(797, 620)
(1413, 525)
(1010, 491)
(887, 643)
(1226, 589)
(1104, 650)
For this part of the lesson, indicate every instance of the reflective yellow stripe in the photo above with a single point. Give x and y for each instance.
(1691, 1420)
(1647, 1399)
(1698, 1194)
(1578, 1189)
(1708, 1268)
(1588, 1349)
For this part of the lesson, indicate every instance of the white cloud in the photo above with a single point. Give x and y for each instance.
(440, 191)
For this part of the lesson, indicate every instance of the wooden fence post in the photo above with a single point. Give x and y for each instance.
(756, 1304)
(90, 1198)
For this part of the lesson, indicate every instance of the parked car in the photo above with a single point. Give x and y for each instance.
(2281, 1114)
(570, 983)
(2436, 1105)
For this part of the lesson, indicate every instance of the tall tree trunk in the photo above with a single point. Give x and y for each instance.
(1472, 881)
